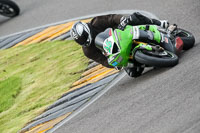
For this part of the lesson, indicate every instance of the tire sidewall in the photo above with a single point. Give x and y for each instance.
(156, 61)
(189, 41)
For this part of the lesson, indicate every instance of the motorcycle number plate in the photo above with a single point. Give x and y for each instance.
(108, 45)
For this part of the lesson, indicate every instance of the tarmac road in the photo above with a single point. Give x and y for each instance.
(160, 101)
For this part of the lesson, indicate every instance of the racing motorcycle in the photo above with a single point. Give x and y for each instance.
(122, 51)
(9, 8)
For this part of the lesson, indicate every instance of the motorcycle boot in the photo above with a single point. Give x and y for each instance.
(134, 69)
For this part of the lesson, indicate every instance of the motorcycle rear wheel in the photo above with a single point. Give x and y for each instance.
(9, 8)
(169, 60)
(187, 37)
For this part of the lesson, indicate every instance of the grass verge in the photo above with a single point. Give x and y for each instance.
(33, 77)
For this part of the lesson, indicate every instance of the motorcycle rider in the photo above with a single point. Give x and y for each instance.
(85, 33)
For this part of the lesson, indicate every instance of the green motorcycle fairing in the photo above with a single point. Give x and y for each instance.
(123, 39)
(123, 42)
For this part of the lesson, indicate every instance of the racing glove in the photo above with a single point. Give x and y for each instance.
(123, 23)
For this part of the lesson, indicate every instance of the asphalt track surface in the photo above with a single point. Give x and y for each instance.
(160, 101)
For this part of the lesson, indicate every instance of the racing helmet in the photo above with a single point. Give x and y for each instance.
(80, 32)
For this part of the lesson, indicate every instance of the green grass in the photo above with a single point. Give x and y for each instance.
(9, 89)
(33, 77)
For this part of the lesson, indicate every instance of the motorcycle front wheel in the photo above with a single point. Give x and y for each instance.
(163, 59)
(9, 8)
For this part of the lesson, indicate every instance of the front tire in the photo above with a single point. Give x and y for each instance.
(168, 60)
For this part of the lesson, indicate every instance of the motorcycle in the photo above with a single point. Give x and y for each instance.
(9, 8)
(123, 51)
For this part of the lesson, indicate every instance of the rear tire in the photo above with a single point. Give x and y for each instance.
(187, 37)
(166, 61)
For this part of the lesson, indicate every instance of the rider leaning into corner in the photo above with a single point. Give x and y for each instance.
(85, 33)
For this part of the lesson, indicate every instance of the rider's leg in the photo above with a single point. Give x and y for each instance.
(150, 32)
(167, 44)
(176, 46)
(147, 33)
